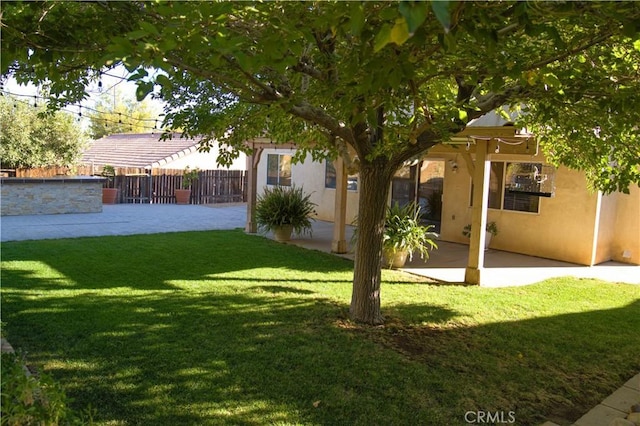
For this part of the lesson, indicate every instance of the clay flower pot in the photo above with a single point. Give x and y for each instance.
(182, 196)
(109, 195)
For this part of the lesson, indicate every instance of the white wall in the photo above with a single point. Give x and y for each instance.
(205, 161)
(310, 176)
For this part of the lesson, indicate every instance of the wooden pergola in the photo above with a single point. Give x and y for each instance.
(481, 142)
(484, 143)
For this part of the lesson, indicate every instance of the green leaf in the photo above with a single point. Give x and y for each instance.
(441, 10)
(357, 19)
(400, 32)
(143, 89)
(414, 14)
(636, 45)
(382, 38)
(551, 80)
(137, 34)
(244, 61)
(163, 80)
(462, 115)
(149, 28)
(138, 75)
(167, 43)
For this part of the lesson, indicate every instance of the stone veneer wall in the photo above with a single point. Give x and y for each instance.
(27, 196)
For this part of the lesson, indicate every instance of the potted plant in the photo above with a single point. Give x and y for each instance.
(188, 176)
(404, 235)
(284, 210)
(491, 231)
(109, 193)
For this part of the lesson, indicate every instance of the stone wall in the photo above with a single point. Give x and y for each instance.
(30, 196)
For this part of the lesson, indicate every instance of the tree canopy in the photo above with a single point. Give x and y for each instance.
(114, 113)
(30, 137)
(377, 83)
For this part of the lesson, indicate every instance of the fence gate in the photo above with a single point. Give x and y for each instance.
(134, 188)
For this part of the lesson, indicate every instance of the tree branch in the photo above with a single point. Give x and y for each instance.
(570, 52)
(320, 117)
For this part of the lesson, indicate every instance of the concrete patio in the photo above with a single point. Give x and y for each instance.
(447, 263)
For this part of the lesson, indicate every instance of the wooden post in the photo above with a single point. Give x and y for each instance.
(339, 242)
(252, 190)
(481, 173)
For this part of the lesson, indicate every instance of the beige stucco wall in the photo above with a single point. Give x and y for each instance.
(563, 229)
(606, 228)
(311, 176)
(625, 244)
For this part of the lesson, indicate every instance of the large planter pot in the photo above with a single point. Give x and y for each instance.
(182, 196)
(487, 240)
(282, 233)
(109, 195)
(395, 259)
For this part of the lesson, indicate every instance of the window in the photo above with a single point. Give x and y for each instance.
(496, 174)
(279, 170)
(509, 186)
(519, 187)
(330, 178)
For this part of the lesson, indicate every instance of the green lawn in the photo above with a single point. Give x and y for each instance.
(226, 328)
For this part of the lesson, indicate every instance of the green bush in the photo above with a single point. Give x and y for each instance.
(30, 400)
(282, 205)
(188, 176)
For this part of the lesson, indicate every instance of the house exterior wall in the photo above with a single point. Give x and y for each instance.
(606, 228)
(575, 225)
(204, 161)
(563, 228)
(625, 245)
(311, 176)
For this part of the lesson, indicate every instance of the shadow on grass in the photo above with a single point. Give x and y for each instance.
(214, 359)
(552, 368)
(143, 347)
(254, 359)
(275, 289)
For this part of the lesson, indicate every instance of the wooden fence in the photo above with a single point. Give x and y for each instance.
(157, 186)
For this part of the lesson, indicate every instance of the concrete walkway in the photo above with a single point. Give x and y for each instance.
(445, 264)
(616, 407)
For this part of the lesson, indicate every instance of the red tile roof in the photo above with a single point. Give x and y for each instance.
(143, 150)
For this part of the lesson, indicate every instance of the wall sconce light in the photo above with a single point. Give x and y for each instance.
(454, 166)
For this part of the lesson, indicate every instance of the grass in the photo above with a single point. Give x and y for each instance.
(226, 328)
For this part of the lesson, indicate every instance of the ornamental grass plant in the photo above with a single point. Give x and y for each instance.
(282, 205)
(404, 232)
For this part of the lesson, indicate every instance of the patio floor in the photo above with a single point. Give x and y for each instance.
(447, 263)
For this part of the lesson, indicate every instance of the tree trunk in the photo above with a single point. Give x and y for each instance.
(375, 180)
